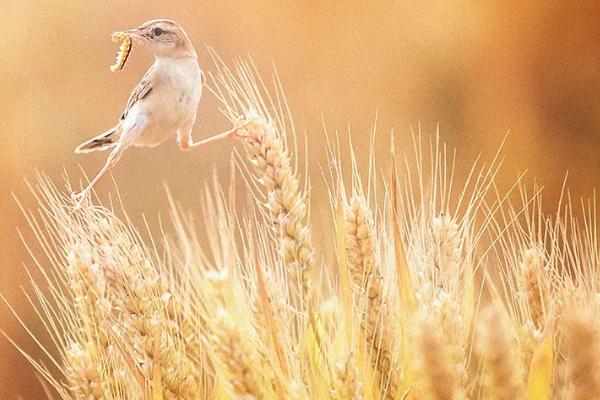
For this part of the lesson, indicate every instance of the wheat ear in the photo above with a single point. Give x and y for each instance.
(284, 201)
(265, 122)
(501, 369)
(346, 380)
(144, 305)
(438, 378)
(368, 286)
(581, 337)
(86, 364)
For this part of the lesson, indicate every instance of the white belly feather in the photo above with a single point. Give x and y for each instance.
(170, 106)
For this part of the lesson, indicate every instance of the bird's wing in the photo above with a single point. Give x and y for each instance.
(143, 88)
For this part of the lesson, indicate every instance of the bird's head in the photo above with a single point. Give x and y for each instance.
(164, 38)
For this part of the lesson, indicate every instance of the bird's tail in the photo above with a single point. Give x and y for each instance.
(104, 141)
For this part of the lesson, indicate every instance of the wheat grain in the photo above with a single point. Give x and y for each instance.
(532, 268)
(447, 244)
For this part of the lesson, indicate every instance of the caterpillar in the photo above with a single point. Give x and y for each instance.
(124, 41)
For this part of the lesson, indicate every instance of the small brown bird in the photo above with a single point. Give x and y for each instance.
(163, 104)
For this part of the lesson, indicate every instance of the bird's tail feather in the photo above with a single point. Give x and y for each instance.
(104, 141)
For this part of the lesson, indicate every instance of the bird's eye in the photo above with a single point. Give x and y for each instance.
(157, 31)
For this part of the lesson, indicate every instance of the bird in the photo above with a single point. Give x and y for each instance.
(163, 104)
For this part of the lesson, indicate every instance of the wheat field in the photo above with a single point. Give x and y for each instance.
(428, 287)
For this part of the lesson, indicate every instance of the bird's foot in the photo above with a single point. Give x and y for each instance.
(80, 200)
(238, 131)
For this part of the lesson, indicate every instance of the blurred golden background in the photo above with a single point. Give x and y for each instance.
(478, 68)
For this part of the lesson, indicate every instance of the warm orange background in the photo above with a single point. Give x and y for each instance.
(479, 68)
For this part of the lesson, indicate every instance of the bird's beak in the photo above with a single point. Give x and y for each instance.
(135, 34)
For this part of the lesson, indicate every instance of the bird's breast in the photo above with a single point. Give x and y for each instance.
(173, 102)
(179, 87)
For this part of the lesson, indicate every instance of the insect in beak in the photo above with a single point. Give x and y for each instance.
(125, 44)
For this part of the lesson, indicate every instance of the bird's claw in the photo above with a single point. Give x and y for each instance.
(80, 200)
(238, 131)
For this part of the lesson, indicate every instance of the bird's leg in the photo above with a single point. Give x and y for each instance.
(187, 143)
(114, 156)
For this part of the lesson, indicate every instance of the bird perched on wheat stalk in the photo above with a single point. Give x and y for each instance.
(164, 103)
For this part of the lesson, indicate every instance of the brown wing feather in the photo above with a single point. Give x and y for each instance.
(140, 91)
(106, 140)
